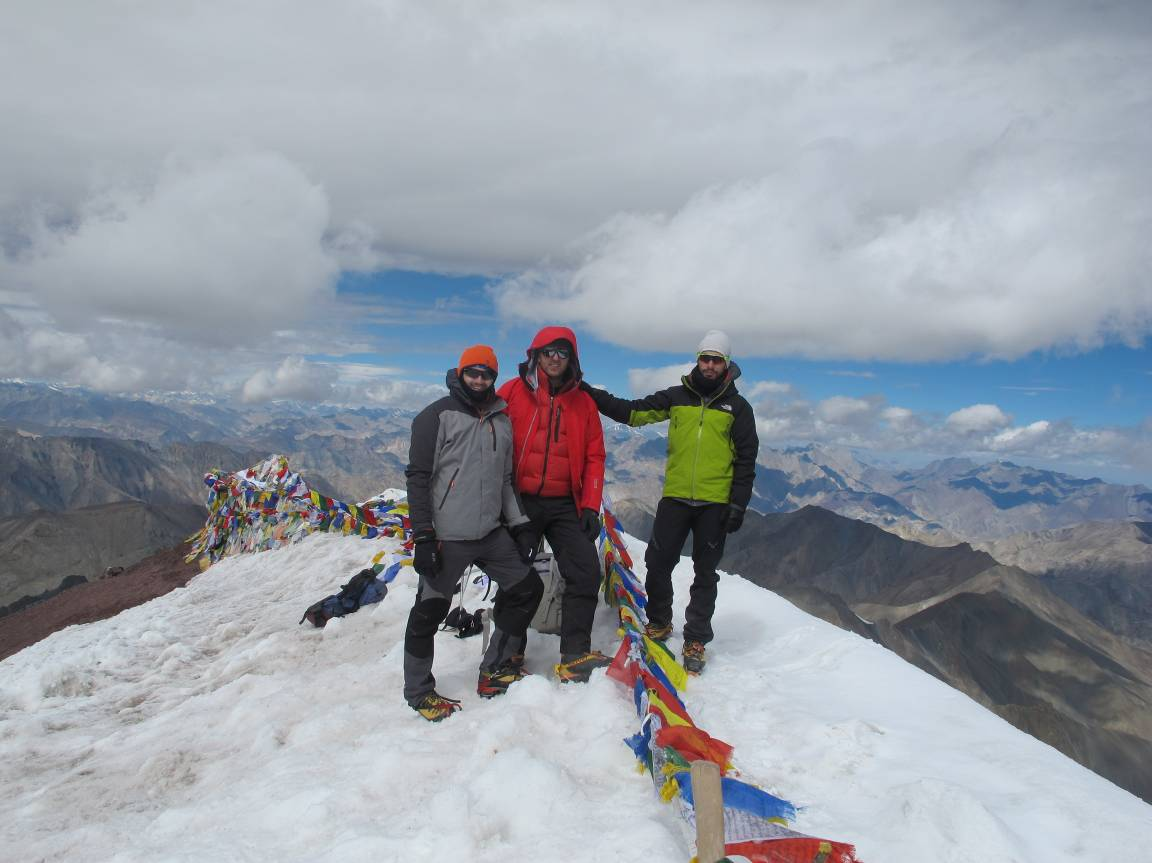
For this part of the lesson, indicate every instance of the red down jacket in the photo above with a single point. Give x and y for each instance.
(557, 439)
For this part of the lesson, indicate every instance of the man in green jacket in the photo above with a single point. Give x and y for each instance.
(712, 448)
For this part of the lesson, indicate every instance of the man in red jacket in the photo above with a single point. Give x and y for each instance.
(558, 447)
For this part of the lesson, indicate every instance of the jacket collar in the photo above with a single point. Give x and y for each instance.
(728, 385)
(493, 404)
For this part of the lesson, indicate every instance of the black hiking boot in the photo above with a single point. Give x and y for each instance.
(578, 667)
(434, 707)
(497, 680)
(694, 660)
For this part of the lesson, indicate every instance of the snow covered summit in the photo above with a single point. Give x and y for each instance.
(207, 725)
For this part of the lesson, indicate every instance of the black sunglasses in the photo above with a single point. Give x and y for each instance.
(711, 358)
(479, 372)
(559, 353)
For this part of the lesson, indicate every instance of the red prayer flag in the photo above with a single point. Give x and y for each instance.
(621, 670)
(695, 744)
(793, 850)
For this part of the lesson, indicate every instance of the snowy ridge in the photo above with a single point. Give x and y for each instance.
(206, 725)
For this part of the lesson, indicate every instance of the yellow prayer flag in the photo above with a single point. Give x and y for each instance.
(669, 716)
(673, 670)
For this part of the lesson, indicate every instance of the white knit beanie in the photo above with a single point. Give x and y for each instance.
(715, 342)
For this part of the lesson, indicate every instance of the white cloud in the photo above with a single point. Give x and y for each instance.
(1022, 438)
(767, 388)
(996, 267)
(364, 373)
(981, 431)
(295, 378)
(915, 110)
(399, 394)
(893, 180)
(643, 382)
(897, 416)
(977, 419)
(777, 428)
(209, 250)
(843, 410)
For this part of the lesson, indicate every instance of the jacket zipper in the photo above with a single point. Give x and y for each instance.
(448, 490)
(696, 454)
(704, 403)
(559, 412)
(547, 443)
(527, 438)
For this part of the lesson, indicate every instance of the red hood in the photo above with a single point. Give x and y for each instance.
(528, 371)
(551, 334)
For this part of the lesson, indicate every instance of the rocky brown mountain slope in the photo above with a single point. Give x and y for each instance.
(56, 473)
(149, 578)
(1102, 568)
(40, 551)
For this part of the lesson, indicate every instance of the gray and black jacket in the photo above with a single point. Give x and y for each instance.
(460, 467)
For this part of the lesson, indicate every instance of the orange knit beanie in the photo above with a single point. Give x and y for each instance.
(479, 355)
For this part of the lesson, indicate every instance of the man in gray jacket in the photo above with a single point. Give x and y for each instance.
(464, 511)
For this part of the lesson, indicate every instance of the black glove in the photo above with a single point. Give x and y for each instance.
(590, 523)
(526, 540)
(734, 519)
(426, 554)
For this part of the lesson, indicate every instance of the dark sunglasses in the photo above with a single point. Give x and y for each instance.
(711, 358)
(479, 372)
(557, 353)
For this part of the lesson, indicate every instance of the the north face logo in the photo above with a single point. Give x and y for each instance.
(725, 407)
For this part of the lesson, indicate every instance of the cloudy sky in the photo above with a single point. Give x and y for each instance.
(925, 225)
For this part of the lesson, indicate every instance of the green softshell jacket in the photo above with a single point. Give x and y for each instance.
(712, 442)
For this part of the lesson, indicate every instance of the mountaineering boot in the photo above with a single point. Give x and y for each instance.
(657, 632)
(434, 707)
(578, 667)
(694, 660)
(497, 680)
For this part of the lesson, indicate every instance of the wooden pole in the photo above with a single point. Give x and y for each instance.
(708, 802)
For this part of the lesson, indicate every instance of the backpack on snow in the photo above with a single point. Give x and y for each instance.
(362, 589)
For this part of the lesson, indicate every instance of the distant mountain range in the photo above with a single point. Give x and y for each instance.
(945, 502)
(356, 452)
(350, 454)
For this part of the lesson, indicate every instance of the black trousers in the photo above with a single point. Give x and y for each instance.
(512, 610)
(558, 521)
(674, 519)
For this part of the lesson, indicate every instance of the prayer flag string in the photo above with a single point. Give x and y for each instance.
(268, 506)
(669, 740)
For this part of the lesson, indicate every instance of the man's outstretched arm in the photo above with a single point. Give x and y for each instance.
(633, 412)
